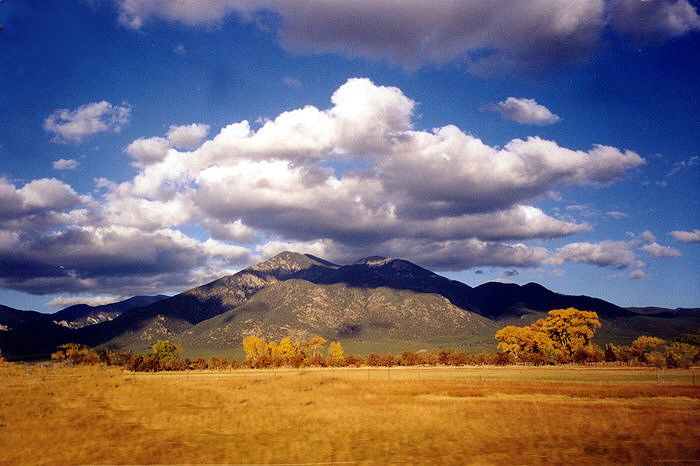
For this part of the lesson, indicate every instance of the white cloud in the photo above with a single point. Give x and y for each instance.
(637, 275)
(61, 302)
(291, 82)
(524, 111)
(187, 136)
(616, 254)
(488, 36)
(65, 164)
(617, 215)
(148, 150)
(687, 236)
(656, 250)
(37, 198)
(73, 126)
(653, 20)
(441, 198)
(648, 236)
(681, 166)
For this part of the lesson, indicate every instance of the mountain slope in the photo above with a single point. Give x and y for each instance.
(368, 304)
(82, 315)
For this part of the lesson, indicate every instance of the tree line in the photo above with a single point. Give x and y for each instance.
(564, 336)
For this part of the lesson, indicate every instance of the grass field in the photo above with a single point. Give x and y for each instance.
(57, 415)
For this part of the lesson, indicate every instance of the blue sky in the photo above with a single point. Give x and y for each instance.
(152, 146)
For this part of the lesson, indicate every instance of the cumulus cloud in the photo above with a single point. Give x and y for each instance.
(148, 150)
(486, 35)
(407, 32)
(615, 254)
(637, 274)
(441, 198)
(73, 126)
(65, 164)
(656, 250)
(99, 258)
(524, 111)
(648, 236)
(36, 201)
(187, 136)
(686, 236)
(653, 20)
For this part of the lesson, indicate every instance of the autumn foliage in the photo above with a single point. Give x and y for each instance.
(564, 336)
(556, 338)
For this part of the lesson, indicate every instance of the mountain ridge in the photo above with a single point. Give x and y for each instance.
(372, 300)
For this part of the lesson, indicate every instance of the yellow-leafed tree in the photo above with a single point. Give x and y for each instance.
(316, 344)
(569, 329)
(254, 347)
(286, 348)
(562, 331)
(644, 344)
(335, 351)
(517, 340)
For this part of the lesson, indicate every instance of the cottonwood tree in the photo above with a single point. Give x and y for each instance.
(166, 350)
(286, 349)
(335, 354)
(562, 332)
(644, 344)
(569, 329)
(254, 347)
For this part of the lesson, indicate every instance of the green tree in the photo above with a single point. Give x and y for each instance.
(166, 350)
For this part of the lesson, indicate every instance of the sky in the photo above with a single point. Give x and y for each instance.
(150, 146)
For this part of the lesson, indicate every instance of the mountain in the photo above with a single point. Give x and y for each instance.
(373, 304)
(82, 315)
(31, 334)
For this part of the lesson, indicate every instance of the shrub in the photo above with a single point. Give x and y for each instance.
(429, 359)
(458, 359)
(444, 355)
(372, 360)
(199, 364)
(503, 359)
(409, 358)
(387, 360)
(353, 360)
(219, 363)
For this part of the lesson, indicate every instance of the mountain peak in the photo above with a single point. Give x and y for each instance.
(288, 262)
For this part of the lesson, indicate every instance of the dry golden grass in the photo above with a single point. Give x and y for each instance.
(56, 415)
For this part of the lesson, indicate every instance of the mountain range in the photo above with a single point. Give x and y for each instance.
(375, 304)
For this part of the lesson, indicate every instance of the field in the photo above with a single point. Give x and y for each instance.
(53, 414)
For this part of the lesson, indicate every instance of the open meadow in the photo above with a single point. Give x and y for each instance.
(53, 414)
